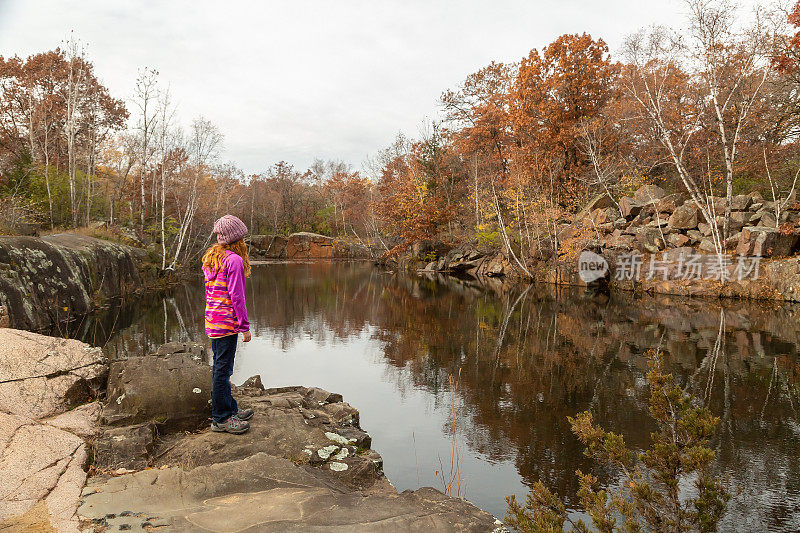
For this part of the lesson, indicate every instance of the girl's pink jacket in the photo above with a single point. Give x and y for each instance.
(226, 312)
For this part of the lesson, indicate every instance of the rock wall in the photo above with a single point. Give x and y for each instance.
(655, 226)
(652, 221)
(306, 246)
(45, 281)
(463, 261)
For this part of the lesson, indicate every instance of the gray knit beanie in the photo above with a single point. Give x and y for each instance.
(229, 229)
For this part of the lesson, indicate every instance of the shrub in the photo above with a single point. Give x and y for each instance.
(648, 499)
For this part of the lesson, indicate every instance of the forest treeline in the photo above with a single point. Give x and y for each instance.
(711, 110)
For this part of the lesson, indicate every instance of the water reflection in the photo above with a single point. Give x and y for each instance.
(527, 358)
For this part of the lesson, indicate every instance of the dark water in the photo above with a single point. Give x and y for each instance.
(526, 359)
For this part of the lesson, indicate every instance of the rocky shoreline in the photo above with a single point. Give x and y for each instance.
(47, 281)
(92, 445)
(306, 245)
(656, 228)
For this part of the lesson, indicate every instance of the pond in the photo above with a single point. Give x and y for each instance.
(508, 365)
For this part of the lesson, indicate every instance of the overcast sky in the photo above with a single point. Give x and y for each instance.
(296, 80)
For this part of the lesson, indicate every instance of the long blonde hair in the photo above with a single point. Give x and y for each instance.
(213, 257)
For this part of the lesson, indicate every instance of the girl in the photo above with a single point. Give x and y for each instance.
(225, 266)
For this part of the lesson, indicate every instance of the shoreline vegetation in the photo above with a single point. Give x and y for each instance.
(522, 152)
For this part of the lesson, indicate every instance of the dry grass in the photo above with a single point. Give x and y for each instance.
(452, 481)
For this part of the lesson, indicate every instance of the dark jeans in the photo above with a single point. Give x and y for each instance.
(223, 406)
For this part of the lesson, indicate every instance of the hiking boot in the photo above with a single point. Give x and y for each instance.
(231, 425)
(244, 414)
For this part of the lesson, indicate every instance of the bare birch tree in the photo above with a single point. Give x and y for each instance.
(732, 66)
(205, 141)
(74, 91)
(714, 92)
(145, 97)
(166, 115)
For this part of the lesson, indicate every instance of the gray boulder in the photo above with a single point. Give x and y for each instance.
(678, 240)
(601, 201)
(630, 207)
(740, 218)
(694, 236)
(253, 382)
(649, 194)
(735, 224)
(683, 218)
(740, 202)
(174, 390)
(670, 203)
(648, 240)
(766, 242)
(707, 245)
(768, 219)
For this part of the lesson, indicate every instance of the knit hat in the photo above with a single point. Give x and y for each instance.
(229, 229)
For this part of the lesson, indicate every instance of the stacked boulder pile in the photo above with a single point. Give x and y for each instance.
(655, 226)
(652, 221)
(649, 222)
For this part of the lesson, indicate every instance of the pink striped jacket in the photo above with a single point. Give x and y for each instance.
(226, 312)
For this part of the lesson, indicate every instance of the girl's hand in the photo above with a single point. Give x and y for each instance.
(246, 336)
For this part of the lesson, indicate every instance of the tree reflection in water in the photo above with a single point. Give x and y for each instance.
(528, 358)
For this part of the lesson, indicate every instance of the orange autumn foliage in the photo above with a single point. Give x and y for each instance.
(570, 81)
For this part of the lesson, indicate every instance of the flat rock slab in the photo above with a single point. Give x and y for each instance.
(305, 425)
(266, 494)
(42, 466)
(42, 376)
(305, 465)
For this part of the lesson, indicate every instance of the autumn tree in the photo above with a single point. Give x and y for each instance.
(116, 161)
(348, 194)
(412, 193)
(50, 102)
(787, 57)
(570, 81)
(481, 132)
